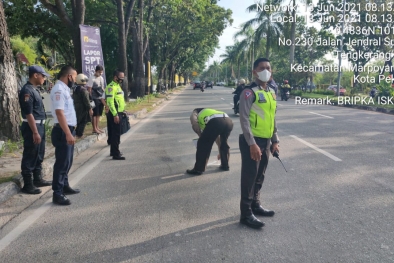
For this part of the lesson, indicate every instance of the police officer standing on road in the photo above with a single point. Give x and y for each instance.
(114, 96)
(210, 125)
(33, 131)
(63, 133)
(257, 117)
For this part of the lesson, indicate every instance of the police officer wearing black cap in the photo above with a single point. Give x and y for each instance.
(33, 131)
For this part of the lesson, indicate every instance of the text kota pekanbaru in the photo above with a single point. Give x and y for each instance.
(342, 100)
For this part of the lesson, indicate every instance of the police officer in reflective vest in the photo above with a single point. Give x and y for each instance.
(257, 116)
(210, 125)
(33, 131)
(115, 100)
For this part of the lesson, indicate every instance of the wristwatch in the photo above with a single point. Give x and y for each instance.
(275, 142)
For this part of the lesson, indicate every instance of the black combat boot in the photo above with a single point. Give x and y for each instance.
(28, 186)
(39, 182)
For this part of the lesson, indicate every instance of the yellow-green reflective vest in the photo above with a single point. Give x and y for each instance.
(262, 113)
(205, 115)
(115, 98)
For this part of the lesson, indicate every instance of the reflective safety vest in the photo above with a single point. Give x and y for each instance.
(115, 98)
(262, 113)
(206, 115)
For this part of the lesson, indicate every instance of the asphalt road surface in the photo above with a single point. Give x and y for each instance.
(335, 204)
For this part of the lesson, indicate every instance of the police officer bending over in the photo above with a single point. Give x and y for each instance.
(257, 116)
(115, 100)
(210, 125)
(33, 131)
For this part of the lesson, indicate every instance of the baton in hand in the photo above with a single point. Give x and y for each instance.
(276, 155)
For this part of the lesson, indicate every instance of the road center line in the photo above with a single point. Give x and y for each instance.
(172, 176)
(222, 99)
(329, 155)
(321, 115)
(80, 174)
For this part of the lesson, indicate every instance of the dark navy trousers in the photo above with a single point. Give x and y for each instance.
(64, 154)
(33, 154)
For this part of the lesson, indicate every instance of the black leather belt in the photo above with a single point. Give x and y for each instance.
(260, 139)
(58, 126)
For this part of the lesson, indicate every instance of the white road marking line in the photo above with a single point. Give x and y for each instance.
(213, 163)
(321, 115)
(232, 104)
(80, 174)
(17, 231)
(222, 99)
(172, 176)
(329, 155)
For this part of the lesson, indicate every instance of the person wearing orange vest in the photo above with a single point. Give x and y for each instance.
(210, 125)
(257, 112)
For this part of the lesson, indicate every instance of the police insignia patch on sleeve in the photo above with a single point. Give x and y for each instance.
(57, 96)
(110, 89)
(247, 94)
(27, 97)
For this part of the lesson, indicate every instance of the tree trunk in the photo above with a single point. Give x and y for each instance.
(147, 70)
(238, 76)
(138, 65)
(77, 49)
(138, 52)
(122, 58)
(161, 79)
(9, 106)
(293, 29)
(78, 17)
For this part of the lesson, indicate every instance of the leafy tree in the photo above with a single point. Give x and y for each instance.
(70, 22)
(19, 46)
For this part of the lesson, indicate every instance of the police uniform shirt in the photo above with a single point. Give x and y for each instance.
(61, 100)
(272, 84)
(245, 104)
(196, 127)
(31, 103)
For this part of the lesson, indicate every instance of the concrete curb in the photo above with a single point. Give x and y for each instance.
(7, 190)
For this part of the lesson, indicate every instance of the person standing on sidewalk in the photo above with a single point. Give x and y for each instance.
(83, 109)
(257, 112)
(114, 96)
(210, 125)
(33, 131)
(96, 88)
(63, 132)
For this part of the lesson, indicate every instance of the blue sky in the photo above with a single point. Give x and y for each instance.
(240, 15)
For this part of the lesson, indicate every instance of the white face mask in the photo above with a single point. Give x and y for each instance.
(264, 75)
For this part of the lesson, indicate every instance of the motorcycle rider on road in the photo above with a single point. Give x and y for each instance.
(238, 91)
(285, 88)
